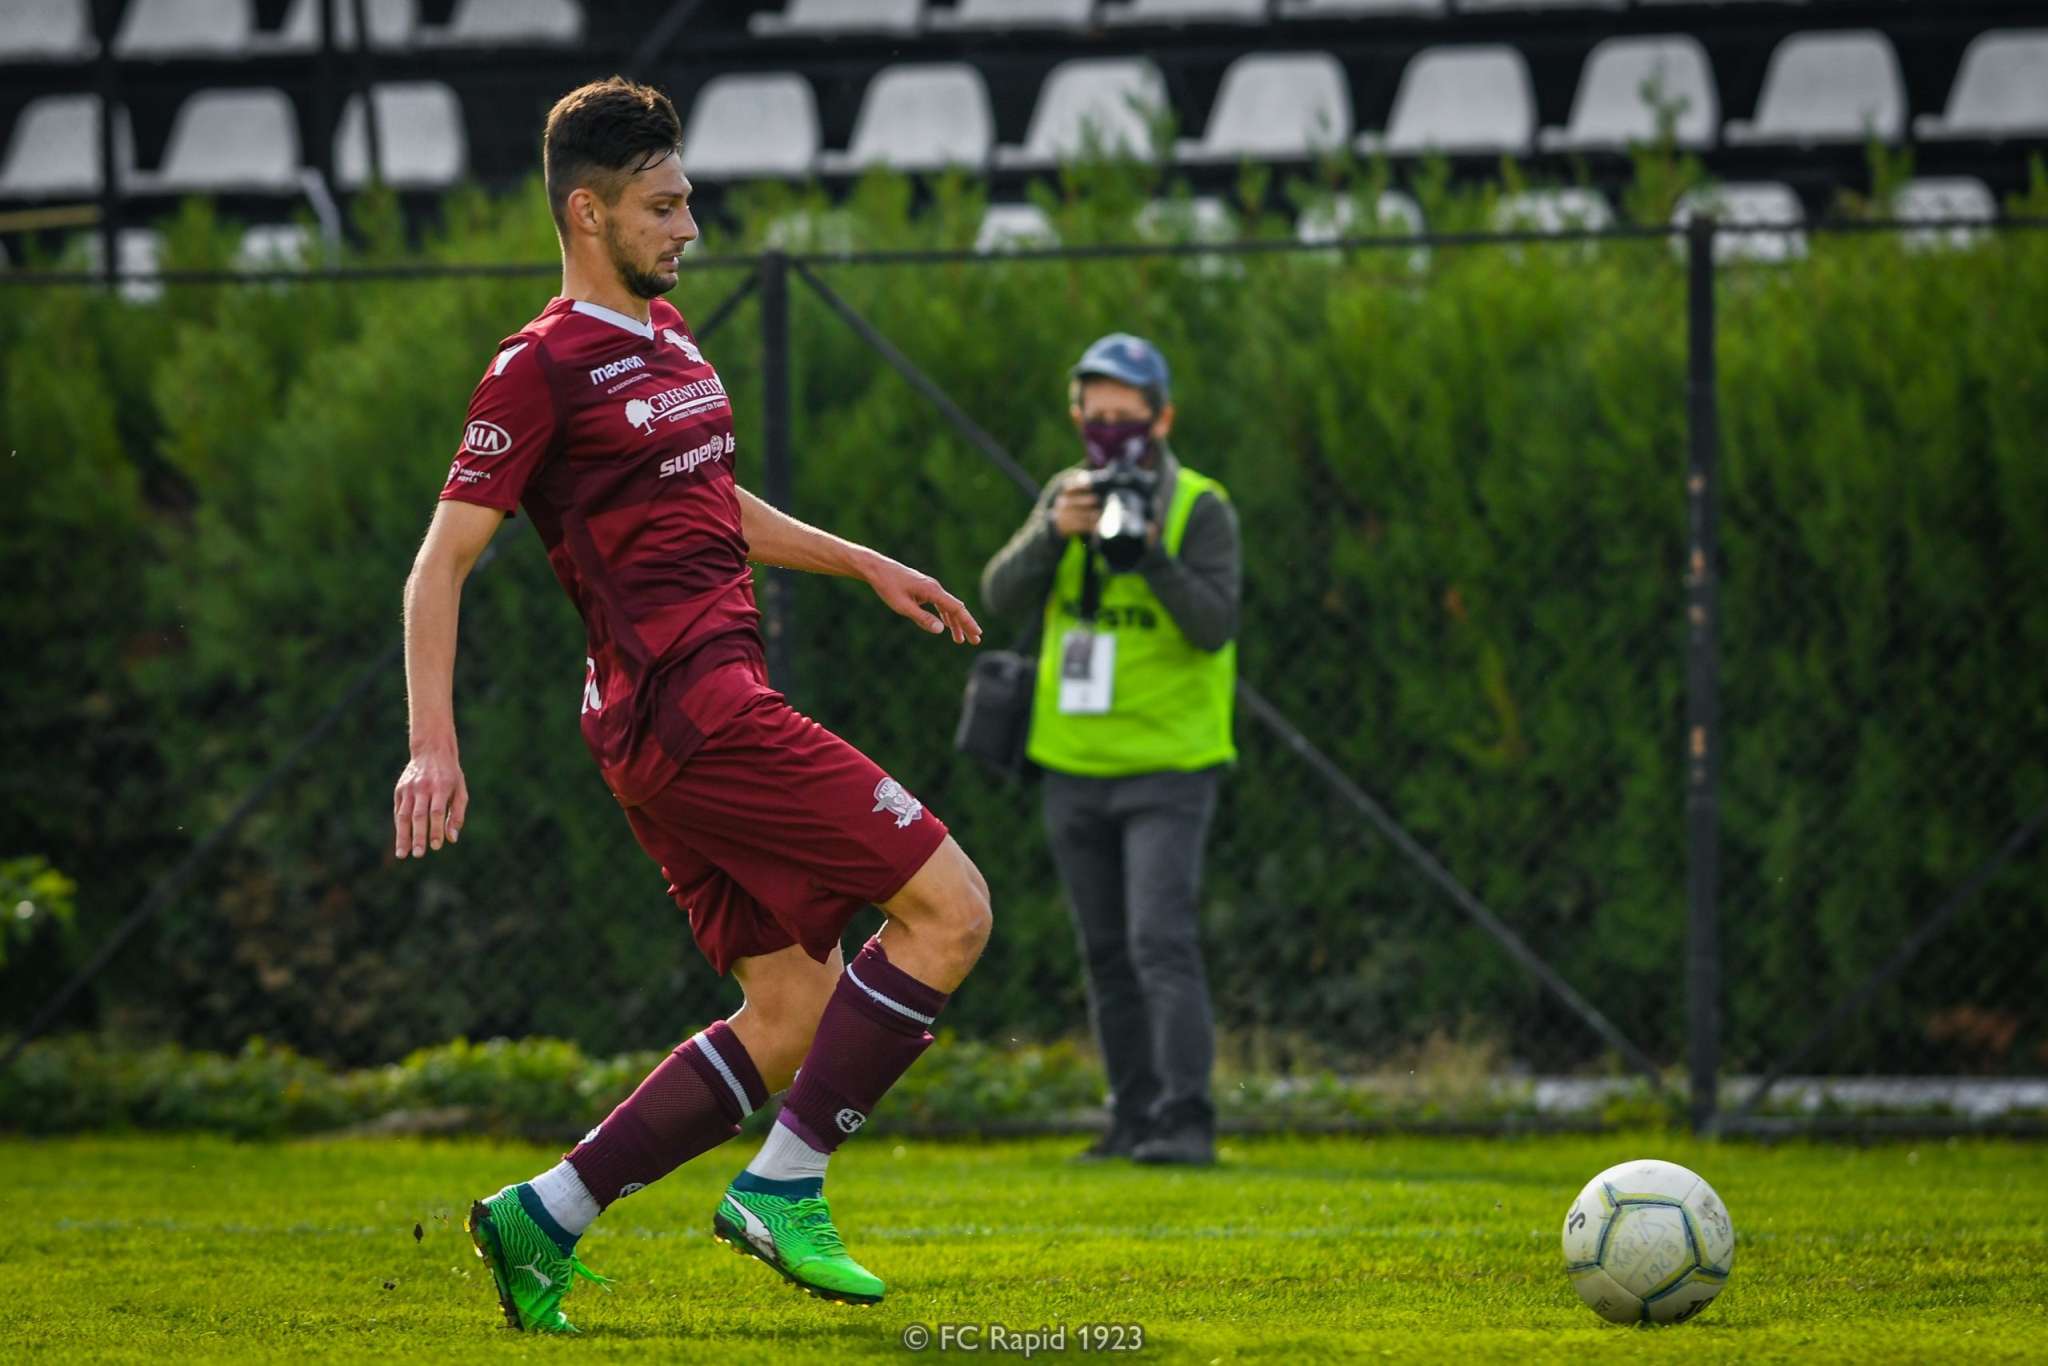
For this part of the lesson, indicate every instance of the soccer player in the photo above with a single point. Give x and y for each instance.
(605, 423)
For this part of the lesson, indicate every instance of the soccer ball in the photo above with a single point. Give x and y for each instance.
(1648, 1242)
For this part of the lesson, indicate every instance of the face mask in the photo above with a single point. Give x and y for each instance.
(1111, 443)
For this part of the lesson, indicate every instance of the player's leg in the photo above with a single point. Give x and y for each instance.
(692, 1102)
(876, 1024)
(1164, 832)
(1088, 849)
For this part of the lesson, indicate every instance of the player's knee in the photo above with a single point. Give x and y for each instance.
(964, 914)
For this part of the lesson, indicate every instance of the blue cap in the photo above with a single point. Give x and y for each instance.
(1133, 360)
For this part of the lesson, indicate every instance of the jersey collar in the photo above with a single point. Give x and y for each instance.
(615, 318)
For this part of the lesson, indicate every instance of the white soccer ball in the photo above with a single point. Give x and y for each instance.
(1648, 1242)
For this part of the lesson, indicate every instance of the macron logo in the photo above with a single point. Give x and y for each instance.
(616, 368)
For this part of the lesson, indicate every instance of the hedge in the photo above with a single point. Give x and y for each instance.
(1461, 482)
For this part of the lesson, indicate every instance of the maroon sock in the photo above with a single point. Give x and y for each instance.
(687, 1106)
(875, 1026)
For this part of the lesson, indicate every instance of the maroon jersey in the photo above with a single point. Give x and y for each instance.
(616, 438)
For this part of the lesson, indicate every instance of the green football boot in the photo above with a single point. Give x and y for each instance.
(788, 1225)
(531, 1271)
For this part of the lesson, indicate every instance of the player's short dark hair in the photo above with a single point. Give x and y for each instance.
(602, 134)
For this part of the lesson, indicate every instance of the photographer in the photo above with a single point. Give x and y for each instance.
(1131, 562)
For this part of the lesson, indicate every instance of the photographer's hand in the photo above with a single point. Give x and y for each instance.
(1076, 509)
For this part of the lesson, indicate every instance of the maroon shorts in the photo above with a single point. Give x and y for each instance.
(777, 831)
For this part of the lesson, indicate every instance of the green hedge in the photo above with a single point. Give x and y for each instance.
(1460, 479)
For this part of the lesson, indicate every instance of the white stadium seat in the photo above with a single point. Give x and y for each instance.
(743, 126)
(1612, 110)
(420, 137)
(2001, 89)
(1007, 227)
(1008, 14)
(1344, 9)
(1553, 211)
(1277, 105)
(819, 18)
(55, 149)
(1756, 202)
(1205, 218)
(1109, 100)
(135, 249)
(232, 140)
(1827, 87)
(392, 25)
(1183, 11)
(921, 118)
(510, 23)
(1395, 214)
(46, 31)
(185, 28)
(275, 246)
(1943, 198)
(1460, 99)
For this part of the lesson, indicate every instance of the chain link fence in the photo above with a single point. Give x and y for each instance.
(1462, 472)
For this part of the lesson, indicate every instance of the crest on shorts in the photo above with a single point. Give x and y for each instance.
(890, 797)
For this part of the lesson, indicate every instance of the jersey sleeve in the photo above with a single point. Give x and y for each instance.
(509, 431)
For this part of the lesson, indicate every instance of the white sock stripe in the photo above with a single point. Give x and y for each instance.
(739, 1093)
(896, 1006)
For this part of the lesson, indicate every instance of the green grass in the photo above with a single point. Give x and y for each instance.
(1310, 1249)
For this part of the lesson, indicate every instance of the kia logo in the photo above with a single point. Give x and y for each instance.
(485, 438)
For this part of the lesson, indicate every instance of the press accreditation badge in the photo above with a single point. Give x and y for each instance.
(1087, 665)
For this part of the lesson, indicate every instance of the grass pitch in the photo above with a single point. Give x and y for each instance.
(1293, 1250)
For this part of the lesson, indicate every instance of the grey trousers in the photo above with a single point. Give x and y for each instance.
(1130, 853)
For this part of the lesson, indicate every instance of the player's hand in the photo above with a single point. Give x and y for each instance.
(1075, 508)
(430, 802)
(924, 600)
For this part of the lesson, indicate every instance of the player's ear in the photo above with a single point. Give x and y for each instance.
(1163, 424)
(585, 210)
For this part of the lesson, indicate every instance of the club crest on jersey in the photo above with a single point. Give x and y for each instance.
(890, 797)
(485, 438)
(689, 348)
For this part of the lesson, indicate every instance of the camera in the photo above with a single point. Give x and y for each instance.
(1126, 490)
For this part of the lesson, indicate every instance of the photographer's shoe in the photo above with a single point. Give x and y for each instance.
(1119, 1142)
(1189, 1145)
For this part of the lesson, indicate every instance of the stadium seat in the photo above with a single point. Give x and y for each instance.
(1460, 99)
(1756, 202)
(1345, 9)
(185, 28)
(46, 31)
(1006, 227)
(820, 18)
(743, 126)
(392, 25)
(1938, 198)
(1827, 87)
(1183, 12)
(1110, 100)
(245, 140)
(1553, 211)
(812, 230)
(510, 23)
(921, 118)
(420, 137)
(2001, 89)
(1204, 218)
(135, 249)
(1277, 105)
(1008, 14)
(275, 246)
(1394, 215)
(55, 149)
(1611, 109)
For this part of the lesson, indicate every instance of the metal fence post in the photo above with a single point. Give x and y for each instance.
(1702, 738)
(107, 79)
(777, 480)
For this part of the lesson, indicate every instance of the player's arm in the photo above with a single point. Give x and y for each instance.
(774, 537)
(432, 799)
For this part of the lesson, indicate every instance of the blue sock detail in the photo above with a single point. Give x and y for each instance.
(530, 1201)
(789, 1190)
